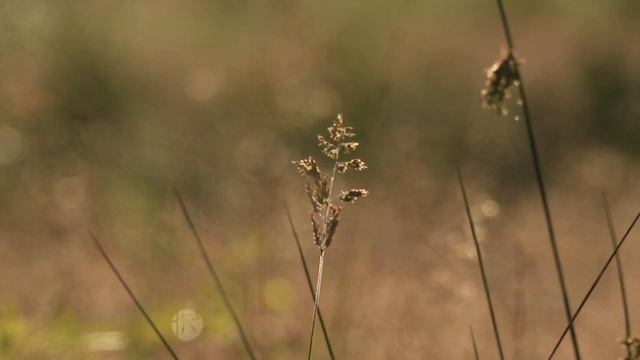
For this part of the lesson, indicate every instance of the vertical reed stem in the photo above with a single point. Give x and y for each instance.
(540, 180)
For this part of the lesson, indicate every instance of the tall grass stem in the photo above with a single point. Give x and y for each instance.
(593, 286)
(485, 282)
(214, 275)
(133, 297)
(307, 275)
(539, 179)
(316, 302)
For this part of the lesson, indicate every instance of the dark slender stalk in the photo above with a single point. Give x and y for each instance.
(485, 283)
(216, 278)
(539, 179)
(593, 285)
(505, 25)
(316, 303)
(475, 346)
(133, 297)
(520, 306)
(309, 282)
(623, 291)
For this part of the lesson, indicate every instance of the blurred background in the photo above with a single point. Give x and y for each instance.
(105, 105)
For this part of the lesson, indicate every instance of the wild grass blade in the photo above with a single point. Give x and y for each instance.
(623, 290)
(309, 281)
(475, 346)
(539, 177)
(132, 296)
(214, 275)
(485, 283)
(593, 286)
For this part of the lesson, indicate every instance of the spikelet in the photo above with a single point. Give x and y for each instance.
(307, 166)
(353, 195)
(349, 147)
(354, 164)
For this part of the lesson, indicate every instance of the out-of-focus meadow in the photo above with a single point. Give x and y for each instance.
(105, 105)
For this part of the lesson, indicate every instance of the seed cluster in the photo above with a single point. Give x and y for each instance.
(632, 345)
(325, 214)
(500, 77)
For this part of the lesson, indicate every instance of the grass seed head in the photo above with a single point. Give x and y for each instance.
(632, 345)
(500, 77)
(324, 214)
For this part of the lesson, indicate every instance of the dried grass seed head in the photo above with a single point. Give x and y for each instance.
(315, 225)
(307, 167)
(632, 346)
(324, 215)
(328, 148)
(500, 77)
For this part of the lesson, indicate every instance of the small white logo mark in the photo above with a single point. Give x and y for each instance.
(186, 324)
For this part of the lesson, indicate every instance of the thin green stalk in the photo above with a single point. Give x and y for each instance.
(316, 302)
(216, 279)
(309, 282)
(540, 180)
(133, 297)
(623, 291)
(475, 346)
(593, 286)
(485, 283)
(323, 245)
